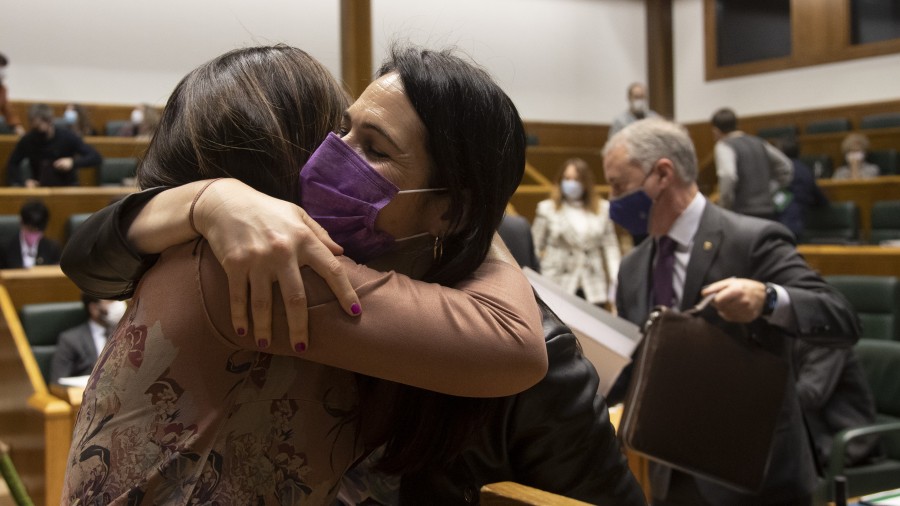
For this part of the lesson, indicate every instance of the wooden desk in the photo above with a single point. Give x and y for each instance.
(42, 283)
(867, 260)
(72, 395)
(864, 192)
(62, 203)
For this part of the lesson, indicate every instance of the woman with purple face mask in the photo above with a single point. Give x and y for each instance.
(179, 391)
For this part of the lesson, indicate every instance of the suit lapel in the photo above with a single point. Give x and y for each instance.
(643, 258)
(706, 246)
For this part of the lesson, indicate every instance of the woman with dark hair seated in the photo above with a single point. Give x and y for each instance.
(395, 139)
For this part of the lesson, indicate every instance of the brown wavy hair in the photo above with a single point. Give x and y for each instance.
(254, 114)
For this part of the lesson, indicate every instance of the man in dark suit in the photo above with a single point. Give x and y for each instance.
(761, 287)
(77, 348)
(29, 247)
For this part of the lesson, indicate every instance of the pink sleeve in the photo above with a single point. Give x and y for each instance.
(481, 338)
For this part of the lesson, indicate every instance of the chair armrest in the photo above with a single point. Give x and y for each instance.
(836, 461)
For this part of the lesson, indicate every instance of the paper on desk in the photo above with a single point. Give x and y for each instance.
(607, 340)
(74, 381)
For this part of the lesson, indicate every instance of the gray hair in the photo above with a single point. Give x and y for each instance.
(647, 141)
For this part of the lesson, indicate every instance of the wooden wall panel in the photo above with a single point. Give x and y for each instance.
(568, 134)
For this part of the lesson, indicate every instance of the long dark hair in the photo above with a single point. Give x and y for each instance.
(477, 142)
(255, 114)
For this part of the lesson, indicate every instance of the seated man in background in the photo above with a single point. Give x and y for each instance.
(854, 148)
(834, 395)
(54, 154)
(30, 247)
(78, 347)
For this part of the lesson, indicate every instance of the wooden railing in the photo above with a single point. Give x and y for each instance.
(42, 283)
(36, 425)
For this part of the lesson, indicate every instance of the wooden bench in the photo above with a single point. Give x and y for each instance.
(42, 283)
(829, 259)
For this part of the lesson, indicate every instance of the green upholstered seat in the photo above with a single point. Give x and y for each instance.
(885, 221)
(880, 361)
(884, 120)
(113, 170)
(9, 227)
(113, 126)
(43, 323)
(74, 221)
(820, 164)
(828, 126)
(777, 132)
(876, 300)
(885, 159)
(836, 223)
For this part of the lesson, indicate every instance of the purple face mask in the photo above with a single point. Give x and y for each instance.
(344, 194)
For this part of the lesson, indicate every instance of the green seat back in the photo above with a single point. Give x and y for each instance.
(5, 128)
(880, 360)
(777, 132)
(876, 300)
(9, 228)
(820, 164)
(885, 159)
(836, 223)
(113, 126)
(828, 126)
(74, 221)
(884, 120)
(885, 221)
(43, 323)
(113, 170)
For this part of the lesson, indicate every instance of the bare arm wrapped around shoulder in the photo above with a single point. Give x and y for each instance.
(481, 338)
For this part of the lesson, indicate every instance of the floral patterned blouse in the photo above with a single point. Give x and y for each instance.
(179, 410)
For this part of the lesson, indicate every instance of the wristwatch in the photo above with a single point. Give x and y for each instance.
(771, 300)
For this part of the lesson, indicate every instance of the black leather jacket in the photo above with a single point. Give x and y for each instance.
(555, 436)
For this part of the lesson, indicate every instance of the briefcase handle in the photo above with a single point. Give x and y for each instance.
(657, 312)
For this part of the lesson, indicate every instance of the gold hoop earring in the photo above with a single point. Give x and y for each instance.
(438, 251)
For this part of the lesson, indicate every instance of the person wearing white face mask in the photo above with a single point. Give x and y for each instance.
(78, 347)
(142, 123)
(637, 109)
(854, 147)
(77, 119)
(574, 237)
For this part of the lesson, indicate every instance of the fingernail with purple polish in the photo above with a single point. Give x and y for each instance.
(355, 309)
(241, 331)
(262, 343)
(300, 347)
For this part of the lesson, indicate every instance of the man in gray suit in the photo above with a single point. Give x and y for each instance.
(78, 347)
(761, 288)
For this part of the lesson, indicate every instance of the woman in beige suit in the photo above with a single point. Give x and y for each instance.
(574, 237)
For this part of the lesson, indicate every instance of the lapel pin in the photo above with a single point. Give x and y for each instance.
(707, 246)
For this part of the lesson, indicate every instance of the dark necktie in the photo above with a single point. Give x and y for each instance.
(663, 293)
